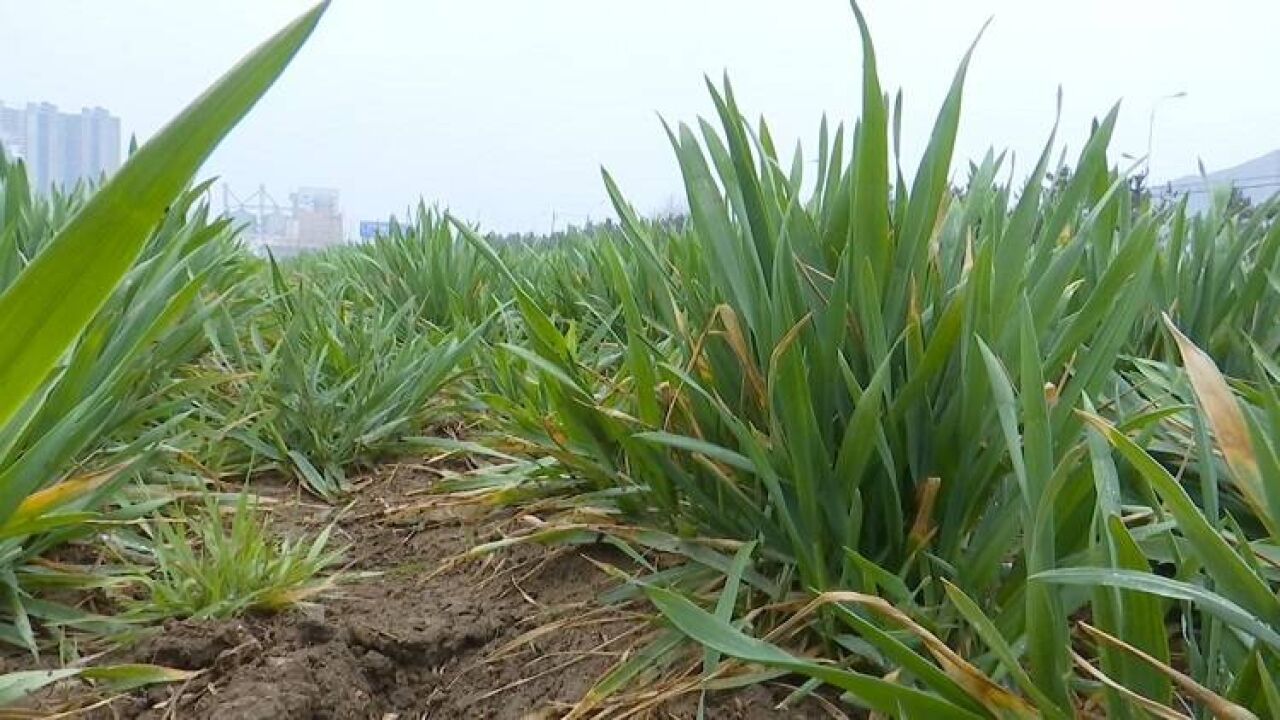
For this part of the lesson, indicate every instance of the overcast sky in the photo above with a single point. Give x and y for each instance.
(504, 110)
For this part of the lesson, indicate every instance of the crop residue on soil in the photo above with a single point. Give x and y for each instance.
(418, 639)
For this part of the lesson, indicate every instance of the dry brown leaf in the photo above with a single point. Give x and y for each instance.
(1216, 704)
(1225, 418)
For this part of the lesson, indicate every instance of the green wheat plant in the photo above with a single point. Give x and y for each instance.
(889, 386)
(317, 384)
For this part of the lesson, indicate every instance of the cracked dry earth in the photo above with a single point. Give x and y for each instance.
(423, 638)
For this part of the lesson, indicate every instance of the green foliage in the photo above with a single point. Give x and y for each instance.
(209, 566)
(894, 388)
(94, 288)
(321, 377)
(107, 234)
(113, 396)
(879, 414)
(419, 266)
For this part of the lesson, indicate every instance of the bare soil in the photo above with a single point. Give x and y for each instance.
(520, 634)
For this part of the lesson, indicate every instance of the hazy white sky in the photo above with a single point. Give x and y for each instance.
(504, 110)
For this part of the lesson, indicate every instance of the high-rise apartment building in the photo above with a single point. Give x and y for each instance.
(13, 130)
(61, 149)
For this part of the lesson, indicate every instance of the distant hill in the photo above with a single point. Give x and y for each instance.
(1257, 179)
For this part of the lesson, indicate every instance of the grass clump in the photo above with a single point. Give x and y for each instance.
(220, 562)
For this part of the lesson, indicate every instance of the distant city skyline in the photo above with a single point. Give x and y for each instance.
(506, 114)
(60, 148)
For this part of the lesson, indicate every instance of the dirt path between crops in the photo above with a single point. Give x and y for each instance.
(423, 638)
